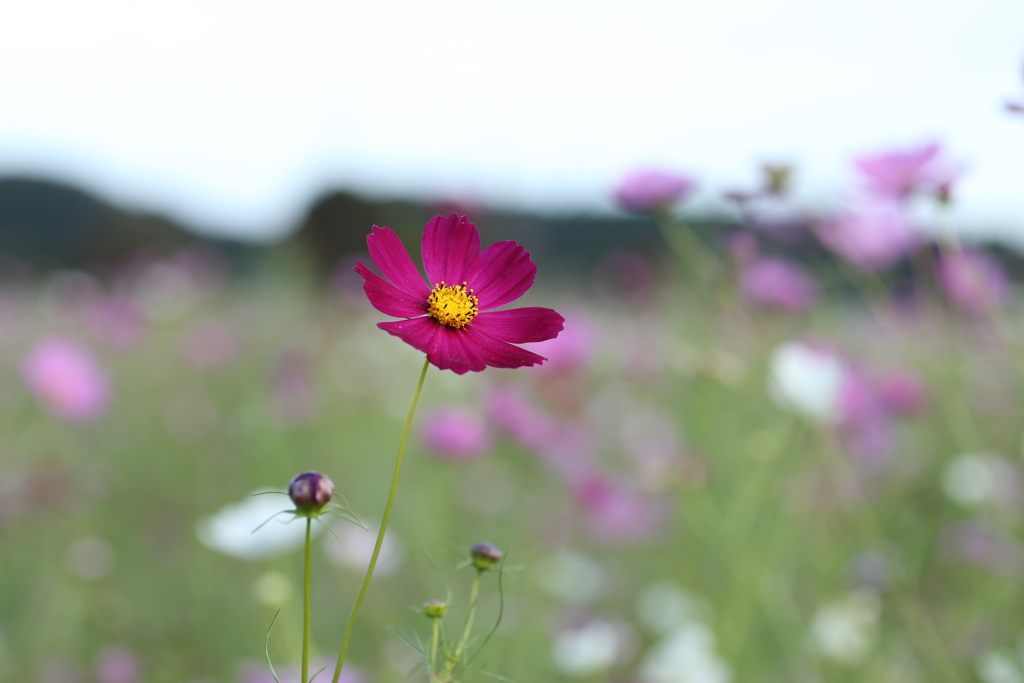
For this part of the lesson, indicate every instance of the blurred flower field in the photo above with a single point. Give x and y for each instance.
(731, 467)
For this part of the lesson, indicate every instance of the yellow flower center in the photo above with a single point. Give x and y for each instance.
(452, 306)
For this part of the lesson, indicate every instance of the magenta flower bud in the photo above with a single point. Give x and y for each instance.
(485, 556)
(310, 491)
(435, 609)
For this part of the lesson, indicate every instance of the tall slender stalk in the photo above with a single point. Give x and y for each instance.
(383, 527)
(305, 604)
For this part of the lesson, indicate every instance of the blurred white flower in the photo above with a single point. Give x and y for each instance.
(806, 380)
(230, 529)
(591, 648)
(976, 478)
(351, 546)
(573, 577)
(995, 667)
(844, 630)
(664, 607)
(272, 589)
(686, 655)
(91, 558)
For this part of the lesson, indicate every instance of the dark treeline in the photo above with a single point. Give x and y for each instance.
(46, 225)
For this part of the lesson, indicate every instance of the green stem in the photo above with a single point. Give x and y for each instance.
(433, 647)
(474, 595)
(383, 527)
(305, 605)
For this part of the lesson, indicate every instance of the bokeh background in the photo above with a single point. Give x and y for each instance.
(778, 440)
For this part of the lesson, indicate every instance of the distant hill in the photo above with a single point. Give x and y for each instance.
(47, 224)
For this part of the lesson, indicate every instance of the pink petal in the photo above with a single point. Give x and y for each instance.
(445, 347)
(389, 299)
(450, 245)
(390, 255)
(498, 354)
(502, 273)
(519, 325)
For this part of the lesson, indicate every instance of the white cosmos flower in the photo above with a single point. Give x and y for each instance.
(230, 530)
(844, 630)
(593, 647)
(806, 380)
(352, 546)
(977, 478)
(686, 655)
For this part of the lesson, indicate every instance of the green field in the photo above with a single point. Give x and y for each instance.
(664, 519)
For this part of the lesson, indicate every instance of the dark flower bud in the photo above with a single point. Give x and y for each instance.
(310, 491)
(485, 556)
(435, 609)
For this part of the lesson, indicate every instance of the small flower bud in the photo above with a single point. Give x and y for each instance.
(435, 609)
(310, 491)
(485, 556)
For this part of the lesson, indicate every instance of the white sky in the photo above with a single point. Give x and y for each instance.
(236, 114)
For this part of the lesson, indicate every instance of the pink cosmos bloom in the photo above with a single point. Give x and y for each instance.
(66, 380)
(866, 428)
(615, 512)
(973, 282)
(902, 392)
(572, 350)
(116, 664)
(649, 190)
(896, 174)
(453, 321)
(457, 434)
(779, 283)
(871, 236)
(516, 415)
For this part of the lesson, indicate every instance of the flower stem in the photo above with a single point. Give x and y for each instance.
(474, 595)
(305, 605)
(433, 646)
(383, 527)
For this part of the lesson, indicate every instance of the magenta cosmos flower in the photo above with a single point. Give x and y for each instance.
(453, 320)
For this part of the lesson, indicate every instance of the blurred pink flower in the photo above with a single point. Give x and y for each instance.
(514, 414)
(456, 433)
(647, 191)
(292, 389)
(865, 426)
(614, 511)
(871, 236)
(778, 283)
(212, 344)
(973, 282)
(982, 543)
(571, 350)
(117, 321)
(66, 380)
(902, 392)
(895, 174)
(116, 664)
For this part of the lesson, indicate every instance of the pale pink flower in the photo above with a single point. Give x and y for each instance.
(866, 426)
(66, 380)
(871, 236)
(517, 416)
(971, 280)
(212, 344)
(615, 512)
(983, 543)
(650, 190)
(896, 174)
(571, 350)
(456, 433)
(116, 664)
(779, 283)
